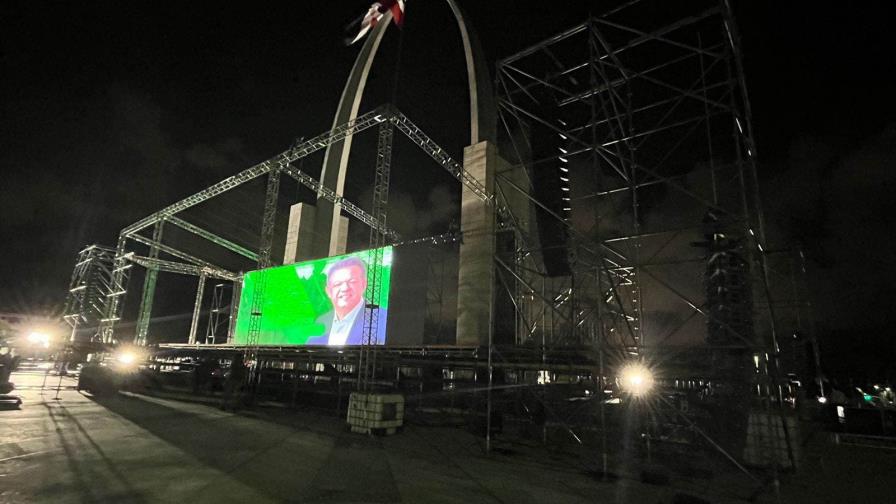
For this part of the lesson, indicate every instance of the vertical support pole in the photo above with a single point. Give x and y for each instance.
(149, 288)
(707, 118)
(367, 355)
(235, 297)
(250, 354)
(194, 325)
(816, 352)
(75, 310)
(115, 295)
(488, 398)
(269, 219)
(599, 305)
(214, 314)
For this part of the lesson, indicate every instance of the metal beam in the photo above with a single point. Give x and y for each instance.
(208, 235)
(367, 356)
(439, 155)
(600, 149)
(172, 251)
(331, 196)
(269, 219)
(197, 307)
(181, 268)
(658, 36)
(149, 287)
(543, 44)
(116, 292)
(303, 149)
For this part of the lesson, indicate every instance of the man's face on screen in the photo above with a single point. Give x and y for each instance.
(345, 286)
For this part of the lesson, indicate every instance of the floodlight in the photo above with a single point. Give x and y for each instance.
(636, 378)
(38, 338)
(128, 358)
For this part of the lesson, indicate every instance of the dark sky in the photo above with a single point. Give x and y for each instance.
(111, 110)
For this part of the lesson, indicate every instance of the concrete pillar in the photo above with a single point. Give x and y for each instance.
(339, 238)
(476, 276)
(299, 233)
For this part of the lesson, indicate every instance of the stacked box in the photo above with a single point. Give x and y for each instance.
(375, 413)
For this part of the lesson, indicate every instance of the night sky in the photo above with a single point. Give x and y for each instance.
(111, 110)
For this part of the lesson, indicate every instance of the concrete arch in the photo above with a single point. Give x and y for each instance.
(329, 227)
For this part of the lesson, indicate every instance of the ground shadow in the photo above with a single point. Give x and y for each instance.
(221, 442)
(256, 452)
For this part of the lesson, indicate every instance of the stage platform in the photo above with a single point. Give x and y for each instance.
(567, 360)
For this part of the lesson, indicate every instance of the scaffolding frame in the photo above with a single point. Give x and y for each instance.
(637, 140)
(614, 131)
(389, 119)
(218, 315)
(93, 285)
(653, 123)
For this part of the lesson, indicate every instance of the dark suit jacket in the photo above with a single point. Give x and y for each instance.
(356, 334)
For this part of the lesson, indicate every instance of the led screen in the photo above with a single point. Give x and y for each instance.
(320, 302)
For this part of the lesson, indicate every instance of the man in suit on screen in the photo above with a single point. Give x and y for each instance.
(344, 324)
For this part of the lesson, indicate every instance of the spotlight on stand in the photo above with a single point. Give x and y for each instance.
(636, 379)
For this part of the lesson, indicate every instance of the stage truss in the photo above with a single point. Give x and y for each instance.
(653, 130)
(659, 204)
(642, 116)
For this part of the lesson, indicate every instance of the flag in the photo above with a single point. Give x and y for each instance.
(376, 12)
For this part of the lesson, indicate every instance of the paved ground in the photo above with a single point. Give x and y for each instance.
(134, 448)
(842, 474)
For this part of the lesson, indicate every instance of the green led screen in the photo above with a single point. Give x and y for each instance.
(320, 302)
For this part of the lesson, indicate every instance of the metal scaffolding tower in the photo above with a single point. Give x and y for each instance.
(630, 144)
(640, 118)
(650, 127)
(93, 285)
(367, 356)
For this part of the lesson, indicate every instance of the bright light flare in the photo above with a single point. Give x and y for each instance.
(636, 379)
(128, 358)
(38, 338)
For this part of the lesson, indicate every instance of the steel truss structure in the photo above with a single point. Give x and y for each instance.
(642, 115)
(95, 283)
(187, 263)
(367, 356)
(218, 315)
(656, 126)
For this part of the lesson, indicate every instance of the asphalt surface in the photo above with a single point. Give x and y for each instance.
(64, 446)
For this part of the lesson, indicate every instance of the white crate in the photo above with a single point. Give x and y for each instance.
(375, 413)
